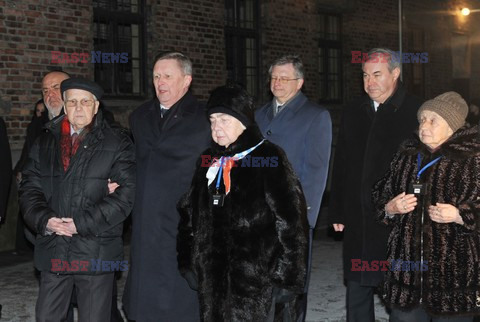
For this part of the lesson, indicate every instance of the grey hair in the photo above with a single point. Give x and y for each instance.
(387, 53)
(184, 62)
(289, 59)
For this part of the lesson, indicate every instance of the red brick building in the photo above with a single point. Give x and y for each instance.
(234, 39)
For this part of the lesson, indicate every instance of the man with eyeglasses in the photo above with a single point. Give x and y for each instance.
(65, 200)
(304, 130)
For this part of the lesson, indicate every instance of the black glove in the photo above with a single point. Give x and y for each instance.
(283, 295)
(191, 280)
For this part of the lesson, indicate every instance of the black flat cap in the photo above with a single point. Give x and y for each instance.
(82, 83)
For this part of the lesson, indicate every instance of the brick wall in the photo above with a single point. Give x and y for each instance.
(196, 29)
(29, 31)
(291, 27)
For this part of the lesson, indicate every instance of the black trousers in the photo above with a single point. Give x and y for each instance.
(116, 316)
(420, 315)
(94, 297)
(360, 302)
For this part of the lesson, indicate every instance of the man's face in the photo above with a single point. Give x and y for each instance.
(80, 107)
(283, 82)
(170, 82)
(51, 92)
(378, 81)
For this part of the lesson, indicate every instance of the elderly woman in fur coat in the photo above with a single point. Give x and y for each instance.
(242, 239)
(430, 198)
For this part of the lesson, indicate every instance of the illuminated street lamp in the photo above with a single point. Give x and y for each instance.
(465, 11)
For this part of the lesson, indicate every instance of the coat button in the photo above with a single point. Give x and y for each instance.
(269, 132)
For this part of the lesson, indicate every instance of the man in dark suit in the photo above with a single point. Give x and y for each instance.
(304, 130)
(371, 131)
(170, 132)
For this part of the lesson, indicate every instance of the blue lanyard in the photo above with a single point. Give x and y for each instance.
(236, 157)
(419, 160)
(219, 173)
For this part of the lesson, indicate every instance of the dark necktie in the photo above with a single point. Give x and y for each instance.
(278, 109)
(163, 111)
(74, 138)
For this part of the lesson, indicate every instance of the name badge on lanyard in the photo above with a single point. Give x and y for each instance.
(218, 198)
(418, 188)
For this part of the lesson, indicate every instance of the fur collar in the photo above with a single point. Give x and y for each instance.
(463, 144)
(250, 137)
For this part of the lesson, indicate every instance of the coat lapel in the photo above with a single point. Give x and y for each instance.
(151, 118)
(287, 113)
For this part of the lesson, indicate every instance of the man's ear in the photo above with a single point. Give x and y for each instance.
(300, 83)
(187, 81)
(396, 73)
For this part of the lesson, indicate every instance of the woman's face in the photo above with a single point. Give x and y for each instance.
(39, 109)
(433, 129)
(225, 128)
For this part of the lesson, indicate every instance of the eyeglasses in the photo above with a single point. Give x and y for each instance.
(83, 102)
(282, 80)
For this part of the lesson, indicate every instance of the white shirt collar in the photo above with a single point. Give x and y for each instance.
(73, 131)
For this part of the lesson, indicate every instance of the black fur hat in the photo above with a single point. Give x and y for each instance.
(232, 100)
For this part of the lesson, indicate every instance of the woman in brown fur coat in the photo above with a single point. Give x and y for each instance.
(430, 199)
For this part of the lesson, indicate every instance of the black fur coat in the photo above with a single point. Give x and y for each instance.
(449, 281)
(257, 241)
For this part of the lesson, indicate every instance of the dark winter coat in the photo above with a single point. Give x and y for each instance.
(451, 281)
(166, 153)
(256, 242)
(366, 144)
(81, 193)
(34, 129)
(5, 169)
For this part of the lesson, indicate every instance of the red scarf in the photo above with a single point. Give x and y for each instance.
(66, 143)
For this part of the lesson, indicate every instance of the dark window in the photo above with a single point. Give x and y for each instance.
(329, 59)
(241, 42)
(119, 28)
(414, 70)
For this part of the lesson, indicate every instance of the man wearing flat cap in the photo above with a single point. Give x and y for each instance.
(65, 200)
